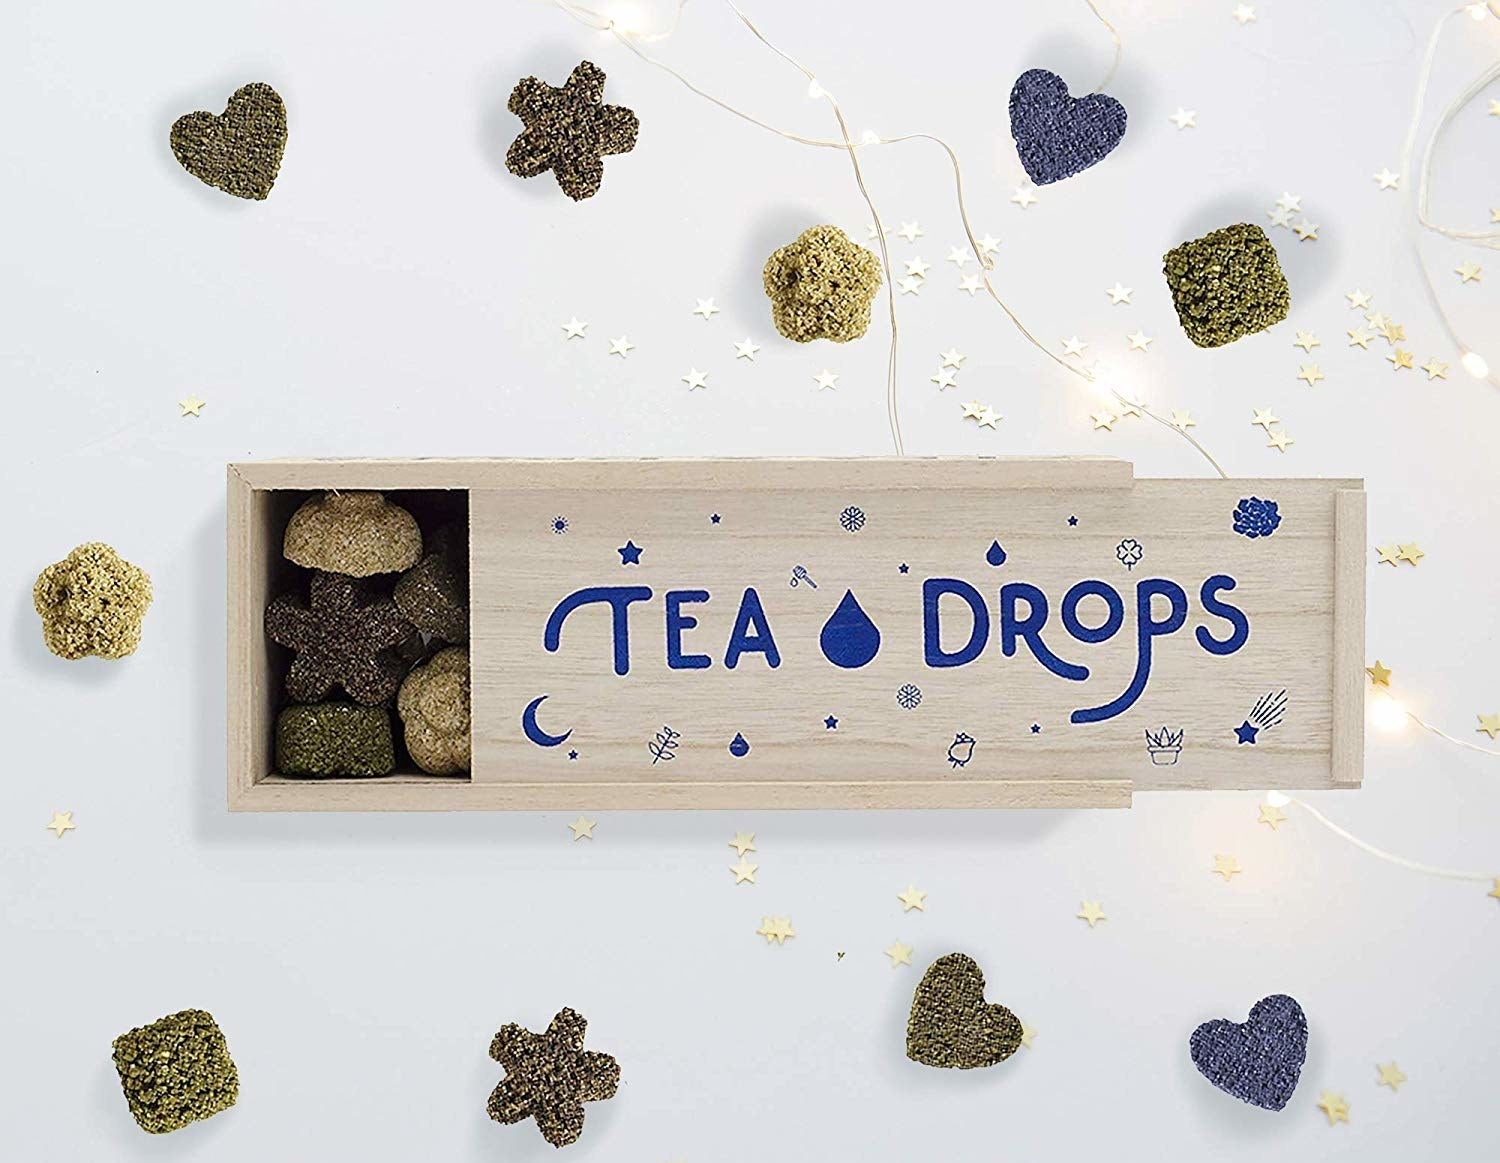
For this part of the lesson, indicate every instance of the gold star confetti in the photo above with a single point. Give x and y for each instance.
(1073, 346)
(988, 245)
(1244, 14)
(944, 378)
(912, 898)
(1118, 294)
(706, 308)
(1025, 196)
(958, 256)
(743, 842)
(1028, 1035)
(1263, 418)
(972, 284)
(1139, 341)
(776, 930)
(1400, 359)
(583, 828)
(1435, 369)
(1387, 553)
(917, 268)
(1379, 675)
(1335, 1106)
(1182, 421)
(1489, 724)
(746, 349)
(1360, 338)
(1412, 553)
(1391, 331)
(953, 358)
(1358, 300)
(1272, 815)
(1495, 214)
(973, 409)
(911, 285)
(1312, 373)
(1390, 1075)
(192, 406)
(573, 328)
(1129, 407)
(1289, 202)
(1495, 892)
(1469, 272)
(1280, 216)
(61, 822)
(1184, 118)
(695, 379)
(1494, 108)
(1388, 180)
(1306, 340)
(910, 231)
(899, 954)
(1280, 441)
(1105, 419)
(1306, 231)
(621, 347)
(1091, 912)
(744, 871)
(1375, 321)
(989, 418)
(1227, 867)
(826, 379)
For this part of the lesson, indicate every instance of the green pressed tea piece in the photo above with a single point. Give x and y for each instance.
(334, 739)
(821, 286)
(176, 1071)
(1227, 284)
(92, 602)
(951, 1025)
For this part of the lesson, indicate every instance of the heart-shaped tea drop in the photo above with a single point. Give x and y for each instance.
(239, 151)
(1259, 1060)
(1058, 135)
(951, 1025)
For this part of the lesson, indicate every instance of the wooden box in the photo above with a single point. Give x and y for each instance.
(935, 633)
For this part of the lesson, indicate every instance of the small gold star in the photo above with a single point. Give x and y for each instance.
(1335, 1106)
(1306, 231)
(1306, 340)
(1264, 419)
(1312, 373)
(583, 828)
(1360, 338)
(776, 930)
(973, 284)
(192, 406)
(1272, 815)
(899, 954)
(826, 379)
(973, 409)
(1435, 369)
(1470, 272)
(1495, 214)
(1091, 912)
(953, 358)
(1495, 892)
(1489, 724)
(621, 346)
(1494, 108)
(944, 378)
(1182, 421)
(1073, 346)
(746, 350)
(1184, 118)
(1024, 196)
(1388, 180)
(911, 231)
(1244, 14)
(911, 285)
(1139, 341)
(61, 822)
(1105, 419)
(1412, 553)
(917, 268)
(1279, 441)
(1227, 867)
(1390, 1075)
(1388, 554)
(695, 379)
(989, 418)
(988, 245)
(574, 328)
(744, 871)
(1358, 300)
(743, 842)
(1391, 331)
(1028, 1035)
(912, 898)
(1375, 321)
(706, 308)
(1118, 294)
(1400, 359)
(1379, 675)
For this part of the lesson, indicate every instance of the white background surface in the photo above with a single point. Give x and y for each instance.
(401, 294)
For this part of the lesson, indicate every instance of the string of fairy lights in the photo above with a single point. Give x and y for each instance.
(1386, 710)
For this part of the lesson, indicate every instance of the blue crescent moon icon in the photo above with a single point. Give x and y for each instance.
(535, 733)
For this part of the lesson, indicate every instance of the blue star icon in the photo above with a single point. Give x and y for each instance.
(1036, 728)
(714, 519)
(904, 568)
(831, 723)
(572, 755)
(1072, 520)
(1245, 733)
(630, 553)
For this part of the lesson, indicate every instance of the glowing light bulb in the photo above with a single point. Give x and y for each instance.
(815, 90)
(1475, 365)
(870, 137)
(1478, 11)
(1277, 799)
(1387, 714)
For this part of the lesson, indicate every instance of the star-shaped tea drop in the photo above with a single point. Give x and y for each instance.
(549, 1077)
(569, 130)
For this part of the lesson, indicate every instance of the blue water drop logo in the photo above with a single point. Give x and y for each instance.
(849, 639)
(738, 747)
(995, 555)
